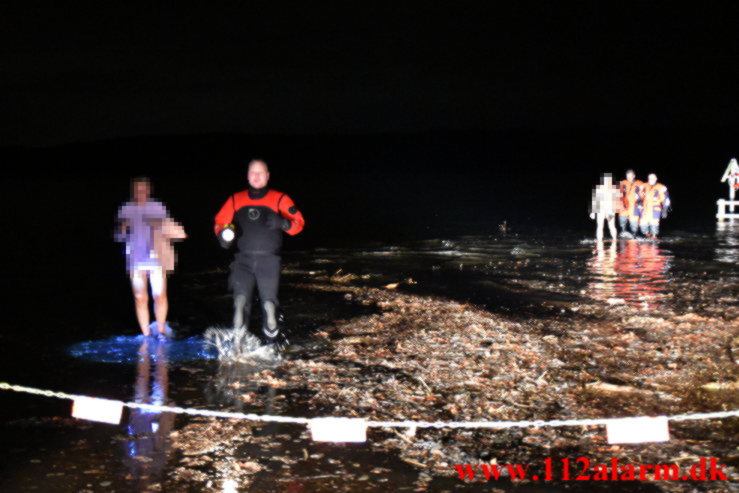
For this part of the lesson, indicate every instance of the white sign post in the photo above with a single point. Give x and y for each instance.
(731, 177)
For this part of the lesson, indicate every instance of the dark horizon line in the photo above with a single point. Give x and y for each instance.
(582, 131)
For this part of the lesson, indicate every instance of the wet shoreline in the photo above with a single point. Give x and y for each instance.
(371, 372)
(547, 323)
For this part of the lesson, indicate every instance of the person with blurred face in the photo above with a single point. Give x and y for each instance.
(628, 216)
(605, 205)
(656, 204)
(145, 228)
(256, 219)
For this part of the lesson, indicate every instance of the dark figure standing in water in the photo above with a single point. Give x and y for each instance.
(262, 215)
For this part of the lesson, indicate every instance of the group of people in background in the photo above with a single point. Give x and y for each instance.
(639, 206)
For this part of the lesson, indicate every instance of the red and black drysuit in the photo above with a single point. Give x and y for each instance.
(260, 217)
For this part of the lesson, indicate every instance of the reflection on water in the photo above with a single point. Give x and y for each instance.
(727, 234)
(127, 349)
(146, 449)
(231, 383)
(632, 271)
(148, 444)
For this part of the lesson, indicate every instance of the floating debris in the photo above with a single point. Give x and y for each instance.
(432, 358)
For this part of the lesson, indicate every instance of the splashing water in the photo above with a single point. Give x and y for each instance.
(238, 345)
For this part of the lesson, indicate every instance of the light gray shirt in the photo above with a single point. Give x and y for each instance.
(139, 244)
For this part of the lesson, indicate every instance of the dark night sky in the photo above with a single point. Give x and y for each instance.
(77, 74)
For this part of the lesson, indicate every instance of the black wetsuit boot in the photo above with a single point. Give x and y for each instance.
(262, 270)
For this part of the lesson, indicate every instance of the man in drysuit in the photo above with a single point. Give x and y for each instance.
(627, 217)
(655, 205)
(262, 215)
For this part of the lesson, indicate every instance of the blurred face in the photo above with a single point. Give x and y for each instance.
(607, 180)
(652, 179)
(141, 191)
(258, 175)
(630, 176)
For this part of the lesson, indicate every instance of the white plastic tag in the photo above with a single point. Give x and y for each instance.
(103, 410)
(638, 430)
(338, 429)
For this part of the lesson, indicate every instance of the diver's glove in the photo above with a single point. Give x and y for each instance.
(226, 236)
(275, 221)
(665, 211)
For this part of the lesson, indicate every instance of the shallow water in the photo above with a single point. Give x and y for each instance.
(492, 269)
(516, 274)
(131, 349)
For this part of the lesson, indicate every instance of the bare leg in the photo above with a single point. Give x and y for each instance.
(140, 285)
(612, 226)
(158, 280)
(599, 218)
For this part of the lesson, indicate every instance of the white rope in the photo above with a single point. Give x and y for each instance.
(371, 424)
(157, 408)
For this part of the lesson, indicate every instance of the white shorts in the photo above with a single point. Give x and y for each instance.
(156, 278)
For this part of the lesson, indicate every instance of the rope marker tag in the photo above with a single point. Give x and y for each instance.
(338, 430)
(638, 430)
(94, 409)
